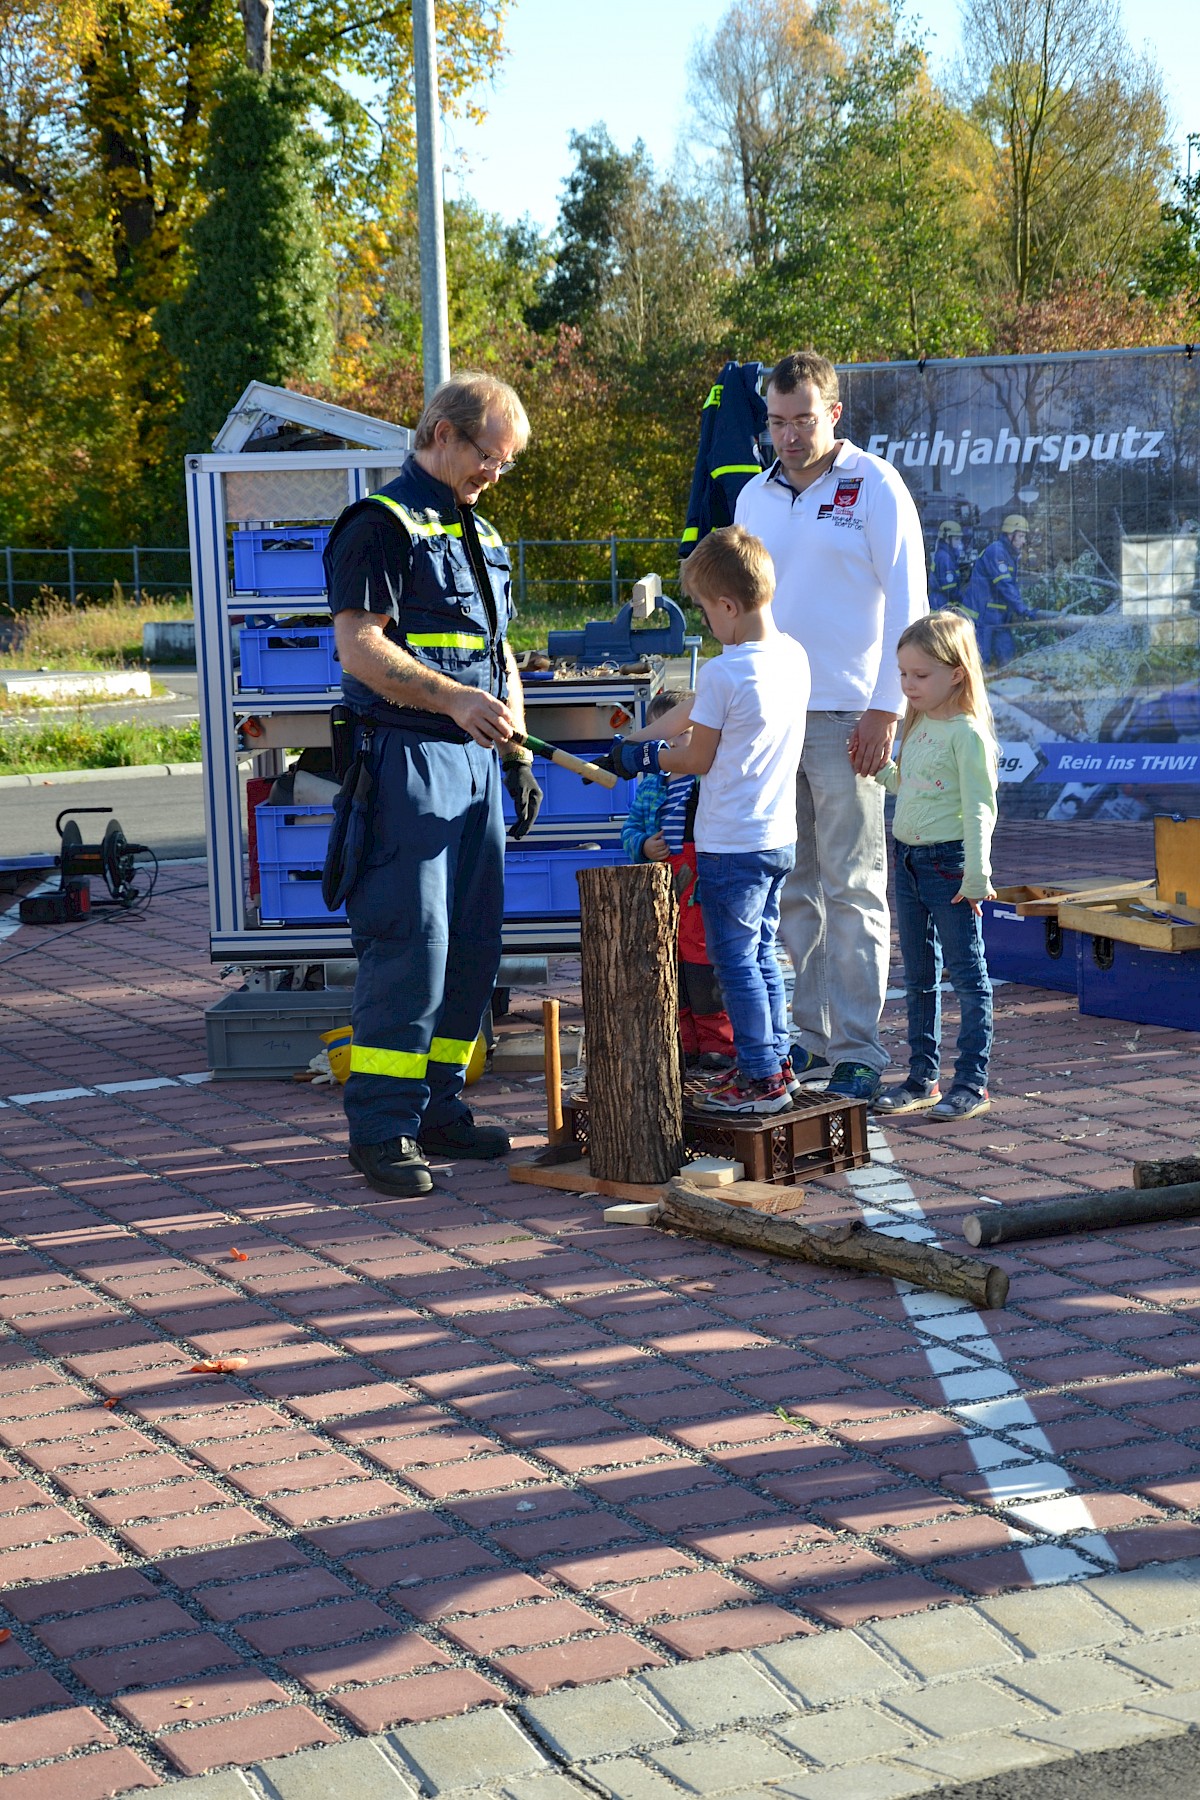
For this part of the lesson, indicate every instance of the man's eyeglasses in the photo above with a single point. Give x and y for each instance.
(495, 465)
(781, 427)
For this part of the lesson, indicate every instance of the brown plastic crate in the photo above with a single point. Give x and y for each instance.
(816, 1137)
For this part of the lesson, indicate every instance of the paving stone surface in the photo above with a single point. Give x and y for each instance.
(481, 1454)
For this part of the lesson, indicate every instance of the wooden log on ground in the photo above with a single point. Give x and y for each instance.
(552, 1056)
(1082, 1212)
(631, 1016)
(1155, 1174)
(849, 1246)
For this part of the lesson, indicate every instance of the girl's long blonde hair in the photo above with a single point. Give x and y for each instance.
(949, 637)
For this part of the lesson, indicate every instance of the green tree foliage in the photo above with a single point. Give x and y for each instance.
(256, 306)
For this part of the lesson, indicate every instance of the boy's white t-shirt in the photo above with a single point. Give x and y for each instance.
(756, 696)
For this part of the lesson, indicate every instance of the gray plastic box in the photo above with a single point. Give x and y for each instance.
(269, 1037)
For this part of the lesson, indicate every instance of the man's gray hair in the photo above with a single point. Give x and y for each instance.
(466, 401)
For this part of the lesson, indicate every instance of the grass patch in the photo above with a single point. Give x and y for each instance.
(53, 634)
(78, 744)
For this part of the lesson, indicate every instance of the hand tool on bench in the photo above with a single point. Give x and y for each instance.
(566, 759)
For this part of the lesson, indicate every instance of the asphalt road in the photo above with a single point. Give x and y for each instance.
(164, 811)
(1166, 1768)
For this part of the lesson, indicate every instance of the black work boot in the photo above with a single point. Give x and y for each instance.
(396, 1168)
(463, 1137)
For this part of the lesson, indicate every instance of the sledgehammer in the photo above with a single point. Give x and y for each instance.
(565, 759)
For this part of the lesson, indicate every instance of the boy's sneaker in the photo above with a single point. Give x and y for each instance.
(794, 1086)
(738, 1093)
(854, 1081)
(807, 1066)
(961, 1103)
(912, 1096)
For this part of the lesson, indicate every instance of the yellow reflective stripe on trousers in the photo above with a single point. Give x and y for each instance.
(445, 640)
(690, 534)
(735, 469)
(455, 1051)
(402, 1065)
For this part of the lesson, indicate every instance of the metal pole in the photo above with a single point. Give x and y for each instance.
(8, 570)
(137, 575)
(435, 326)
(71, 572)
(612, 570)
(521, 571)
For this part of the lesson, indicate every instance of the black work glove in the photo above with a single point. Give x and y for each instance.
(522, 785)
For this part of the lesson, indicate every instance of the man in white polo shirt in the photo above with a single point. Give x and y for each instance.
(845, 539)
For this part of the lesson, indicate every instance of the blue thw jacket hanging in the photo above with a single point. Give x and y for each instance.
(731, 421)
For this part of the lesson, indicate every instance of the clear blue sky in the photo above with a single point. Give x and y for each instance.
(624, 62)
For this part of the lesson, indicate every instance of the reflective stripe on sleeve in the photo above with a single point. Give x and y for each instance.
(690, 534)
(455, 1051)
(735, 469)
(402, 1065)
(714, 395)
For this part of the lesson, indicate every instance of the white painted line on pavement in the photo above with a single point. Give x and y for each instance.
(1037, 1493)
(106, 1088)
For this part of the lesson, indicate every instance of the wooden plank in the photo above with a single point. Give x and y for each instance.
(577, 1178)
(1177, 863)
(757, 1196)
(1128, 923)
(1170, 904)
(1041, 900)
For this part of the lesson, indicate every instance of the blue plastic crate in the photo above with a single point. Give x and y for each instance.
(569, 800)
(541, 882)
(1036, 951)
(292, 895)
(1147, 987)
(285, 560)
(289, 659)
(288, 835)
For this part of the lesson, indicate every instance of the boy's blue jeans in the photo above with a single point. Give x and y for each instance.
(739, 896)
(933, 929)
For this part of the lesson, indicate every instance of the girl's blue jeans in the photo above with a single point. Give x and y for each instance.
(739, 895)
(934, 931)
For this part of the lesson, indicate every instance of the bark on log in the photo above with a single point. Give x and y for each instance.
(850, 1246)
(1166, 1174)
(258, 19)
(1082, 1212)
(631, 1017)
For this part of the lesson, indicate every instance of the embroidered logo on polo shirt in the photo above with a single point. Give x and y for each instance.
(823, 512)
(846, 493)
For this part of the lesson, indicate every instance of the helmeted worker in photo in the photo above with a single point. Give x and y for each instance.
(420, 586)
(946, 575)
(992, 598)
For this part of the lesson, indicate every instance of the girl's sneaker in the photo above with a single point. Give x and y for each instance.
(912, 1096)
(961, 1103)
(738, 1093)
(791, 1080)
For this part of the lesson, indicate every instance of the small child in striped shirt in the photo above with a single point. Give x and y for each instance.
(659, 828)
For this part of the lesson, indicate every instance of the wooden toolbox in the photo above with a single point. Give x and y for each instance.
(815, 1137)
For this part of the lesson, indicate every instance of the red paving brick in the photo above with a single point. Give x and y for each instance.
(455, 1411)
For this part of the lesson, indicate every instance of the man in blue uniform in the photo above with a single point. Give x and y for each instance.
(992, 598)
(945, 582)
(420, 589)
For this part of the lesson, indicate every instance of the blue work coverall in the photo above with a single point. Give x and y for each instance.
(943, 588)
(993, 600)
(425, 913)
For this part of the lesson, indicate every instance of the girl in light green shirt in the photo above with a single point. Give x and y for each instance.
(944, 780)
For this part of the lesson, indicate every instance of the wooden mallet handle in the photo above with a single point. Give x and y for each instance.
(552, 1063)
(565, 759)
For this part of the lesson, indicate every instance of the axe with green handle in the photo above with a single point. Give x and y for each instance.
(565, 759)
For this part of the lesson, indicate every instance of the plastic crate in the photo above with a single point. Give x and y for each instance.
(282, 659)
(291, 894)
(293, 835)
(1035, 951)
(259, 1037)
(569, 800)
(285, 560)
(1147, 987)
(541, 882)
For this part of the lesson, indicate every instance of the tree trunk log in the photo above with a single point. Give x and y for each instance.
(1166, 1174)
(258, 17)
(1082, 1212)
(851, 1246)
(631, 1017)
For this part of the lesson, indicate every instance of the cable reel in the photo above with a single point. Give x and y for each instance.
(110, 861)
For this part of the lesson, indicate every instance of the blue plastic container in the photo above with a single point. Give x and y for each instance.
(1036, 951)
(570, 800)
(292, 895)
(289, 659)
(293, 835)
(541, 883)
(1147, 987)
(284, 560)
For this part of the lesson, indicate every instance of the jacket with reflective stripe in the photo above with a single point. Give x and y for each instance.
(440, 616)
(732, 418)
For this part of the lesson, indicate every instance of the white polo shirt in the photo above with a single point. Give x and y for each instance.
(850, 573)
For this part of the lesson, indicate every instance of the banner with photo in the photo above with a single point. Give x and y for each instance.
(1060, 500)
